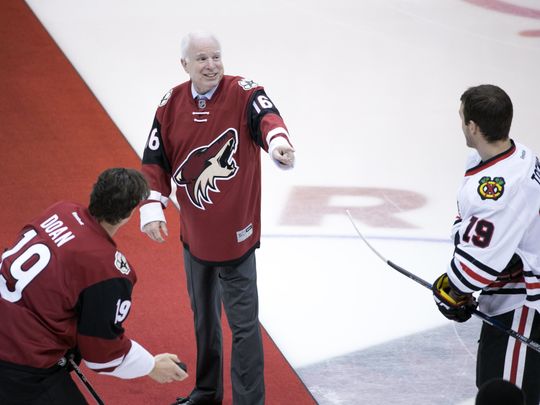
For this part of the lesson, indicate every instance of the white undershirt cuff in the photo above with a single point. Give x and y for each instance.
(138, 362)
(150, 212)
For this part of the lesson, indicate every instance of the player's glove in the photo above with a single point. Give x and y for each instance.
(450, 302)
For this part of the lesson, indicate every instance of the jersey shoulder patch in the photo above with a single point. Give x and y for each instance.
(165, 98)
(491, 189)
(121, 263)
(247, 84)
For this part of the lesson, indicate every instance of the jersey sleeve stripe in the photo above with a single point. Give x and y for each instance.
(501, 284)
(533, 286)
(459, 280)
(532, 282)
(104, 366)
(157, 196)
(275, 132)
(476, 263)
(475, 276)
(137, 362)
(505, 291)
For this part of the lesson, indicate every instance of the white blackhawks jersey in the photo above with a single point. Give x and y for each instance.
(499, 217)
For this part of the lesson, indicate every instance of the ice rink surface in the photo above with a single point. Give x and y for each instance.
(370, 93)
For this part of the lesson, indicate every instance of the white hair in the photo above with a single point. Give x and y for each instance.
(188, 39)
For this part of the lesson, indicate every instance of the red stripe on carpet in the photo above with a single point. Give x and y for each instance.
(55, 139)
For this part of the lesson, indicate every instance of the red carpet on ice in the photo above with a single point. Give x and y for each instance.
(55, 139)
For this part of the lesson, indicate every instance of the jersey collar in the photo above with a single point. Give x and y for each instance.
(92, 222)
(490, 162)
(208, 94)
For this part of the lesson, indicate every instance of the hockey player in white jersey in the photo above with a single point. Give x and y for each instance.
(497, 242)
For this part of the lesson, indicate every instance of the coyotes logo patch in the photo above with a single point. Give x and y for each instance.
(491, 189)
(205, 165)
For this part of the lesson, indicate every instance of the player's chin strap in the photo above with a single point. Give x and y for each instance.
(493, 322)
(70, 363)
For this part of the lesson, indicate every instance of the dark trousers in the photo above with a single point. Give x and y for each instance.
(235, 287)
(502, 356)
(20, 385)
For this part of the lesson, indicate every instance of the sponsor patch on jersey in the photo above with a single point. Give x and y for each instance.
(491, 189)
(77, 217)
(245, 233)
(165, 98)
(121, 263)
(247, 84)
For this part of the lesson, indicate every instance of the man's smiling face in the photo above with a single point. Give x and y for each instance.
(203, 63)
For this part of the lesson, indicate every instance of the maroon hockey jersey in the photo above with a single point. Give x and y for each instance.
(64, 284)
(211, 150)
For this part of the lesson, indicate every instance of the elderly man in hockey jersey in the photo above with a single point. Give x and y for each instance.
(207, 136)
(497, 237)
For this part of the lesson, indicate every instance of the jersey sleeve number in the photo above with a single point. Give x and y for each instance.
(24, 268)
(482, 233)
(262, 102)
(153, 140)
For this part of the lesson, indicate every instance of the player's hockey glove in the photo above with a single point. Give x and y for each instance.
(451, 303)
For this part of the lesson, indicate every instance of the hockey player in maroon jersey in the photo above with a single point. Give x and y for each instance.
(65, 287)
(207, 136)
(497, 236)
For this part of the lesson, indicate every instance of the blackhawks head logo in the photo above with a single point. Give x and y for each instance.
(206, 165)
(491, 189)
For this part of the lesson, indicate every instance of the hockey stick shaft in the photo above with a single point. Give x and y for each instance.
(391, 264)
(85, 382)
(511, 332)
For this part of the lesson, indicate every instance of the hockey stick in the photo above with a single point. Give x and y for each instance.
(493, 322)
(63, 361)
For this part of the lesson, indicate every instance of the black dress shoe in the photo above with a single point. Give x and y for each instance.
(184, 401)
(189, 401)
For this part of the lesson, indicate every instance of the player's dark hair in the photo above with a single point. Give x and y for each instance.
(490, 108)
(116, 193)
